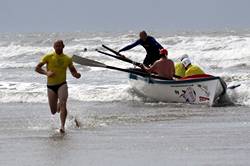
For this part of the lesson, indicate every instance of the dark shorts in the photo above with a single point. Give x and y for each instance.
(150, 59)
(55, 88)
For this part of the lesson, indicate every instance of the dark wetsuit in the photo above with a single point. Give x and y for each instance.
(151, 46)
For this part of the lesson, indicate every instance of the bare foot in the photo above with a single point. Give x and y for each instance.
(62, 131)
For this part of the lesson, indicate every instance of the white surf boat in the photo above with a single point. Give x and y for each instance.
(201, 90)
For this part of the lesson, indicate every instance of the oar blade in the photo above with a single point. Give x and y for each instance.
(87, 62)
(92, 63)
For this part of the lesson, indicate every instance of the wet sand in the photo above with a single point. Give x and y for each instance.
(125, 134)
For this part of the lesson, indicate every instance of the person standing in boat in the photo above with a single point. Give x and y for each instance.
(151, 46)
(56, 66)
(191, 69)
(163, 67)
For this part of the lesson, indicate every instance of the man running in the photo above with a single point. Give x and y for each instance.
(151, 46)
(56, 67)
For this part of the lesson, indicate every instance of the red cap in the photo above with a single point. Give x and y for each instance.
(163, 51)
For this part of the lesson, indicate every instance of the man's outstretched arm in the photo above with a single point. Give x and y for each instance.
(130, 46)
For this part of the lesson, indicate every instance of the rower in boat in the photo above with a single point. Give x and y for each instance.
(163, 67)
(191, 69)
(179, 68)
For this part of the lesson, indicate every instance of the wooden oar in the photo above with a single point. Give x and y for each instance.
(120, 58)
(87, 62)
(111, 50)
(92, 63)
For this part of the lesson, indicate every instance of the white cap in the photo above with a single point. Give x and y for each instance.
(183, 56)
(186, 62)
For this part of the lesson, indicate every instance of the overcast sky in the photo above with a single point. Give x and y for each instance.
(123, 15)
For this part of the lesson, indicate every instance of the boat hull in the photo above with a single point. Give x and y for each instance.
(194, 91)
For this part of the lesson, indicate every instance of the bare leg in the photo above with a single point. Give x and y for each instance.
(53, 98)
(63, 96)
(58, 108)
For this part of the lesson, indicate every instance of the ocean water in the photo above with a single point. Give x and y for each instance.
(117, 127)
(221, 54)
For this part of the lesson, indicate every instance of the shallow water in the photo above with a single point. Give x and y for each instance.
(125, 134)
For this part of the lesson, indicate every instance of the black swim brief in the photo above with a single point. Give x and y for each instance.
(55, 88)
